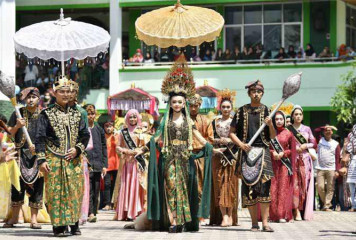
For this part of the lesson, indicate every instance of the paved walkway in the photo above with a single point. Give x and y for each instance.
(326, 225)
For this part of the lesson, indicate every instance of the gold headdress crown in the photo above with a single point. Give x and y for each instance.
(61, 82)
(196, 100)
(73, 85)
(179, 80)
(286, 108)
(146, 117)
(226, 94)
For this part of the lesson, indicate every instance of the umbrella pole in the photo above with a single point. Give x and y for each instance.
(62, 68)
(62, 62)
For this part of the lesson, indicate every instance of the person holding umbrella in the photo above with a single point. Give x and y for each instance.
(61, 138)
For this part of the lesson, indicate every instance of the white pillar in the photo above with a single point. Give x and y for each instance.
(341, 23)
(115, 45)
(7, 32)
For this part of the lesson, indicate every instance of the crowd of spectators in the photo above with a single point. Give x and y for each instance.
(91, 73)
(249, 54)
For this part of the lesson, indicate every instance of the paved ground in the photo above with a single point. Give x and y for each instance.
(326, 225)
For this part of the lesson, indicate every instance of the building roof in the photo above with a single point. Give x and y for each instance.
(147, 3)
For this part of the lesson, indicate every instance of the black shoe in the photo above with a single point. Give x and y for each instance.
(61, 231)
(173, 229)
(74, 229)
(180, 228)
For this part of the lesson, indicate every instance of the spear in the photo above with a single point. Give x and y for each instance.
(7, 87)
(290, 87)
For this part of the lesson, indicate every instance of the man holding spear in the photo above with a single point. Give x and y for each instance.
(256, 168)
(30, 181)
(249, 133)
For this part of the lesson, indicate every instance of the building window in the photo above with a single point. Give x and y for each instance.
(272, 25)
(351, 26)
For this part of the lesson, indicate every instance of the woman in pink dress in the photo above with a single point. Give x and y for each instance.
(86, 195)
(283, 155)
(130, 201)
(303, 198)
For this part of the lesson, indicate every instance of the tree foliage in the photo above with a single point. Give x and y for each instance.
(344, 100)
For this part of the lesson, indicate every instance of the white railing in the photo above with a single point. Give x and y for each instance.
(238, 62)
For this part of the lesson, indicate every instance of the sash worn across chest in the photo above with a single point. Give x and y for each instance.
(301, 139)
(230, 154)
(131, 145)
(286, 161)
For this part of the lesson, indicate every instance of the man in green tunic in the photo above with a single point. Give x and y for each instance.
(61, 137)
(73, 100)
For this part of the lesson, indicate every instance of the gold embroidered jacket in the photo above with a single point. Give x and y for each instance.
(60, 129)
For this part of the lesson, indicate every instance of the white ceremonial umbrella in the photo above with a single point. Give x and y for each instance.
(61, 40)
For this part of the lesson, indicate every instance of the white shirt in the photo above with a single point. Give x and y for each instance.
(326, 154)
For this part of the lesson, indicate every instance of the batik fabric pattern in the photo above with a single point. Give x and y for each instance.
(60, 129)
(225, 182)
(282, 183)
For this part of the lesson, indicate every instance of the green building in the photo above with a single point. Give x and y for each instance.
(270, 23)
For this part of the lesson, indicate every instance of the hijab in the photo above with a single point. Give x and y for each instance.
(274, 121)
(127, 119)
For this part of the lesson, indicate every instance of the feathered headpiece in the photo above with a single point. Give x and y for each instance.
(225, 94)
(286, 108)
(179, 80)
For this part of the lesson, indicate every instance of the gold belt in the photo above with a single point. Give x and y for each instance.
(178, 142)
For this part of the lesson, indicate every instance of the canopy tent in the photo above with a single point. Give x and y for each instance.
(209, 96)
(133, 98)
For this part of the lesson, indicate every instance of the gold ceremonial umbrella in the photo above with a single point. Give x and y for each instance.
(179, 26)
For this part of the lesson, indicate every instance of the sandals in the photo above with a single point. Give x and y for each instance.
(92, 219)
(8, 225)
(129, 226)
(255, 228)
(35, 226)
(267, 229)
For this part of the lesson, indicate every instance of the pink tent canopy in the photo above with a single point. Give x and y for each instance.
(209, 96)
(207, 91)
(133, 98)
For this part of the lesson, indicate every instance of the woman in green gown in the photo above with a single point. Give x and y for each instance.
(172, 184)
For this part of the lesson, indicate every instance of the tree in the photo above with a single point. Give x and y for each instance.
(344, 100)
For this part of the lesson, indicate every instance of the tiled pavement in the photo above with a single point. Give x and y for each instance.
(326, 225)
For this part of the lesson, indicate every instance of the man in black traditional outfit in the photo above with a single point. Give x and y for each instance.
(255, 166)
(62, 136)
(30, 181)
